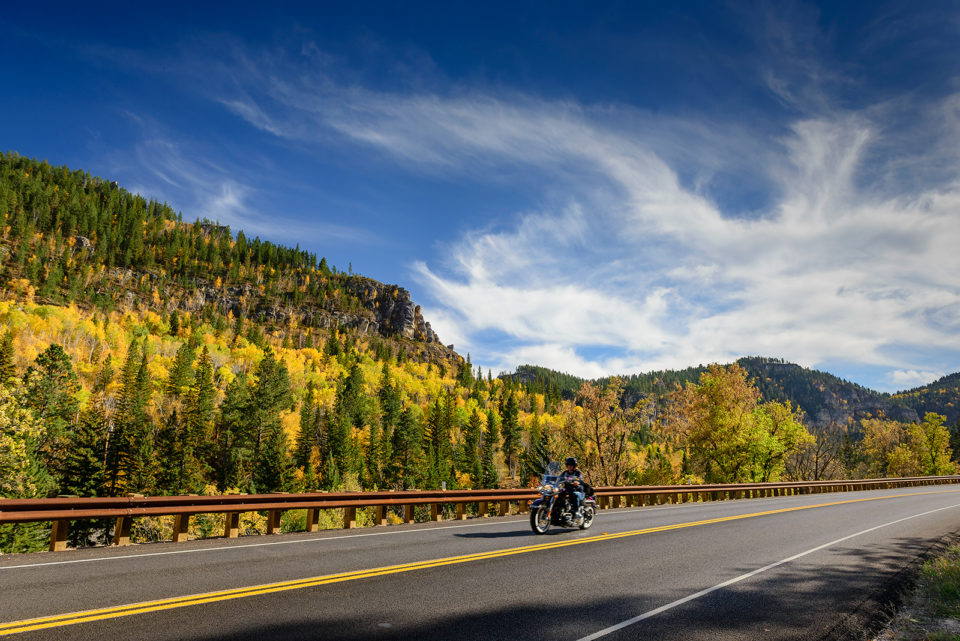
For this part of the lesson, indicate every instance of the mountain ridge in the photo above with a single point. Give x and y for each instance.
(825, 398)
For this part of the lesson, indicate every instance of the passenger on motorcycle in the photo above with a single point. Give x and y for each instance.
(574, 477)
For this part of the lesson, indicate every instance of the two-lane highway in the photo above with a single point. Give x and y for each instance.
(802, 567)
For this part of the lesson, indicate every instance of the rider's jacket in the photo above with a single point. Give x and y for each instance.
(575, 475)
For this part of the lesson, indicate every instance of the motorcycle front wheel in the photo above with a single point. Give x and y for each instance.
(588, 513)
(540, 520)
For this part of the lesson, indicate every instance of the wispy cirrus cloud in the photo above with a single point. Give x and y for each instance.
(634, 261)
(187, 177)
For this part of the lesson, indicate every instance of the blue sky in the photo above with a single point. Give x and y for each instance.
(593, 187)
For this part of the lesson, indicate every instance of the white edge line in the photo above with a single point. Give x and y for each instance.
(743, 577)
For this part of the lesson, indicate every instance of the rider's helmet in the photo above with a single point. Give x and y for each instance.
(572, 461)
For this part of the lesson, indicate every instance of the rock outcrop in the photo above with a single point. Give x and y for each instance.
(382, 309)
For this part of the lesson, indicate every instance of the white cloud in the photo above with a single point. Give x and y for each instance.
(904, 379)
(848, 261)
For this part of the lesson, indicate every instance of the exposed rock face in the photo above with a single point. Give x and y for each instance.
(852, 405)
(384, 309)
(395, 313)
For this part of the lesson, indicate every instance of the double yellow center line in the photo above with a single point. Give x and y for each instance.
(28, 625)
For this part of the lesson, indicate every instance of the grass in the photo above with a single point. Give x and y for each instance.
(932, 612)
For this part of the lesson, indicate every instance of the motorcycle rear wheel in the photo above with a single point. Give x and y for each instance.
(539, 520)
(588, 513)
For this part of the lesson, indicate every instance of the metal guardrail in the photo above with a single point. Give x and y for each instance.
(61, 511)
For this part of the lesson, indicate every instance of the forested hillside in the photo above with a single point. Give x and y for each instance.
(941, 396)
(143, 354)
(824, 398)
(70, 237)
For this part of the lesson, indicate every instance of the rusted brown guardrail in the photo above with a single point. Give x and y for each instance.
(60, 511)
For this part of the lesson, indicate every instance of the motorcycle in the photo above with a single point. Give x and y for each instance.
(554, 508)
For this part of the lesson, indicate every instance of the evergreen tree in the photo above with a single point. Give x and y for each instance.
(307, 437)
(51, 388)
(181, 372)
(407, 449)
(130, 464)
(8, 369)
(471, 446)
(491, 442)
(271, 396)
(511, 432)
(84, 465)
(349, 412)
(233, 437)
(272, 471)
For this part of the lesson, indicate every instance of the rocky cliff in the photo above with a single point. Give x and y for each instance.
(377, 308)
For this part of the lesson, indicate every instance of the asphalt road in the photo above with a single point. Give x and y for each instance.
(804, 567)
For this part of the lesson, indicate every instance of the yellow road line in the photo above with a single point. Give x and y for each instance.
(15, 627)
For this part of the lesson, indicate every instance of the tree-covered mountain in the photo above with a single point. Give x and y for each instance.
(824, 398)
(140, 353)
(941, 396)
(71, 237)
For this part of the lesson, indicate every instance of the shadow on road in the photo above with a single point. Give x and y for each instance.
(849, 598)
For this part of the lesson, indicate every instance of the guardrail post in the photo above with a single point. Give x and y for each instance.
(504, 508)
(231, 525)
(381, 514)
(181, 526)
(408, 514)
(313, 519)
(349, 517)
(273, 521)
(461, 512)
(58, 535)
(483, 509)
(434, 511)
(121, 531)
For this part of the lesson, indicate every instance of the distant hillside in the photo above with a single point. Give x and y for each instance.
(824, 398)
(68, 237)
(942, 396)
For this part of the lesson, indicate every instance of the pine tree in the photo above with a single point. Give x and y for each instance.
(511, 432)
(233, 437)
(271, 395)
(51, 389)
(197, 434)
(8, 370)
(272, 472)
(84, 465)
(181, 371)
(491, 442)
(306, 439)
(472, 463)
(130, 464)
(407, 450)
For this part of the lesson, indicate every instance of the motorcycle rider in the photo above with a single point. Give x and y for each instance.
(574, 477)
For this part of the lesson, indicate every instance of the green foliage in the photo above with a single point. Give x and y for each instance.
(51, 388)
(731, 436)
